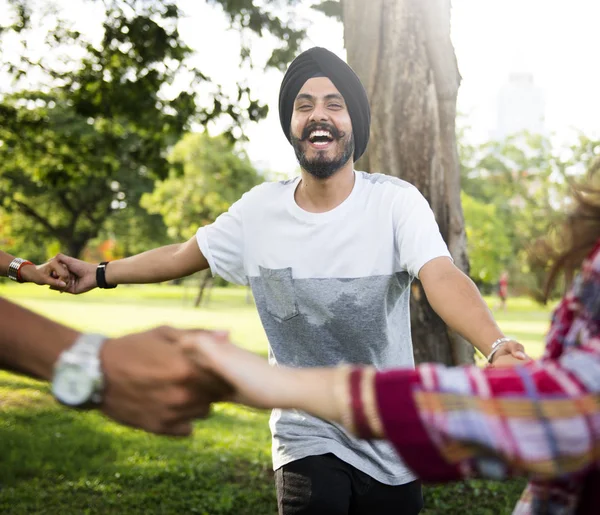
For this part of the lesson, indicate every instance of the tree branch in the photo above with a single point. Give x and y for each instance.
(27, 210)
(65, 202)
(100, 219)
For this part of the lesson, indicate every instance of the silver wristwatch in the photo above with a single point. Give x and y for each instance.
(78, 380)
(13, 268)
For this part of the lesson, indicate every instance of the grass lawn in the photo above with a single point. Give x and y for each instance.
(59, 461)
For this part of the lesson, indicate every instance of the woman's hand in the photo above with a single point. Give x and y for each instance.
(257, 384)
(52, 273)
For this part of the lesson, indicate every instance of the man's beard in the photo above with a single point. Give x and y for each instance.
(321, 167)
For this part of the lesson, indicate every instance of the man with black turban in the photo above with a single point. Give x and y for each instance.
(330, 257)
(315, 63)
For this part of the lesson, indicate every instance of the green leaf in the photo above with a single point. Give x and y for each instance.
(332, 8)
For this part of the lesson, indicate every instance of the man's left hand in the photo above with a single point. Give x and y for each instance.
(511, 354)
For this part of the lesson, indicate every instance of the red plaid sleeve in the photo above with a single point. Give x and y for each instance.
(542, 418)
(447, 423)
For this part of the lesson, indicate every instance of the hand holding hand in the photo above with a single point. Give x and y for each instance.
(150, 383)
(82, 275)
(511, 354)
(253, 381)
(52, 273)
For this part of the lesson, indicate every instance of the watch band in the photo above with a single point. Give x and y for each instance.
(101, 277)
(14, 269)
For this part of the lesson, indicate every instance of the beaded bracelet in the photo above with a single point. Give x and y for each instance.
(342, 395)
(359, 417)
(375, 427)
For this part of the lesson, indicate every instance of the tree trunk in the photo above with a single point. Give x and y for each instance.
(402, 52)
(74, 247)
(205, 282)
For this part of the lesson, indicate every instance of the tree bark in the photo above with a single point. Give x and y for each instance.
(402, 52)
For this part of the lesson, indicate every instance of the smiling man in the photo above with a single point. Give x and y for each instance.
(330, 256)
(323, 148)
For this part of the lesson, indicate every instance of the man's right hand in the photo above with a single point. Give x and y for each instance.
(151, 383)
(82, 275)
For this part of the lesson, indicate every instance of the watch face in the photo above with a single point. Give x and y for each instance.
(72, 386)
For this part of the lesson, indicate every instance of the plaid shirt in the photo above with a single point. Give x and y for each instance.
(542, 418)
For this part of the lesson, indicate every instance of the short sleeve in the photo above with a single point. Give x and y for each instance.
(418, 238)
(222, 243)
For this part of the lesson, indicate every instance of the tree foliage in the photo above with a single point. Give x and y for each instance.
(488, 242)
(207, 176)
(90, 137)
(524, 181)
(331, 8)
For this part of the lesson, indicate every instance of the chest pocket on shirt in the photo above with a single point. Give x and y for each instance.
(280, 295)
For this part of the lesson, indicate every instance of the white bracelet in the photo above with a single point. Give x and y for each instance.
(500, 341)
(496, 345)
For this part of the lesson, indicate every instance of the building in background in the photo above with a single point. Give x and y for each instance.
(520, 107)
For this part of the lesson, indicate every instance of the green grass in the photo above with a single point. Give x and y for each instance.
(134, 308)
(59, 461)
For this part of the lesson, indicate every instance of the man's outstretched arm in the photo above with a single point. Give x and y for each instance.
(456, 299)
(153, 266)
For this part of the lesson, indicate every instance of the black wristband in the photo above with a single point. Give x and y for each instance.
(101, 277)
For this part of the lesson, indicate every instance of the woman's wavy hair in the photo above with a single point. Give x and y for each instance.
(579, 231)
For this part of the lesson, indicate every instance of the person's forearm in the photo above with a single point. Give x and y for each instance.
(30, 343)
(5, 260)
(458, 302)
(157, 265)
(414, 408)
(311, 390)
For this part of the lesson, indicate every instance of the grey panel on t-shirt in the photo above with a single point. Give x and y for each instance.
(326, 322)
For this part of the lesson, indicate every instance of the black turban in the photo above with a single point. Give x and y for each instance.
(319, 62)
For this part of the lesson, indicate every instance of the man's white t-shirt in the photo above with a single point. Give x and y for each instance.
(330, 288)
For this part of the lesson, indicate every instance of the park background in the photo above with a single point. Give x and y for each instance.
(127, 124)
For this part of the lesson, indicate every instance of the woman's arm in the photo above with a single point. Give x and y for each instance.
(51, 273)
(446, 423)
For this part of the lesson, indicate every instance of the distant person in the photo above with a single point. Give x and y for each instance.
(330, 257)
(503, 290)
(542, 418)
(142, 380)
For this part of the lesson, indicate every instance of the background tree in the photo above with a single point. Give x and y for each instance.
(207, 176)
(130, 231)
(488, 241)
(92, 135)
(403, 54)
(524, 178)
(18, 237)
